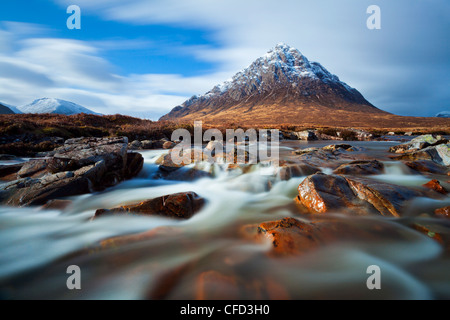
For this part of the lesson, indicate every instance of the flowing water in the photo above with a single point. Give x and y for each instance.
(37, 246)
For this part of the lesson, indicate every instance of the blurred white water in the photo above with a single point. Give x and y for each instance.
(36, 246)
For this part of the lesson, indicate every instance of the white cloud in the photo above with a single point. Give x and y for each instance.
(332, 32)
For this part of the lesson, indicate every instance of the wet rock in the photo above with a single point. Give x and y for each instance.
(443, 212)
(9, 172)
(81, 166)
(33, 167)
(289, 171)
(322, 193)
(290, 236)
(135, 145)
(418, 143)
(361, 168)
(388, 199)
(80, 152)
(179, 205)
(337, 147)
(147, 145)
(135, 163)
(436, 186)
(168, 145)
(427, 166)
(439, 154)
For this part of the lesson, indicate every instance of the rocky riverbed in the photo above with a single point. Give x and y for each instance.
(140, 226)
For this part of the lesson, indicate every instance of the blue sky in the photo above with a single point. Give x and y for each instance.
(143, 57)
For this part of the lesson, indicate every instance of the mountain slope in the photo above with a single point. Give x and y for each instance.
(5, 110)
(57, 106)
(443, 114)
(276, 87)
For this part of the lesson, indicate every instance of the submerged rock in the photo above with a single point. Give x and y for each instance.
(361, 168)
(443, 212)
(179, 205)
(427, 166)
(436, 186)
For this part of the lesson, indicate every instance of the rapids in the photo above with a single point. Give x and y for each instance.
(37, 246)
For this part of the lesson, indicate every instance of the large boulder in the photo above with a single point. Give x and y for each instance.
(439, 154)
(81, 166)
(321, 193)
(418, 143)
(179, 206)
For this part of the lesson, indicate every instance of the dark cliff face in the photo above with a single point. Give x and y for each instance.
(282, 76)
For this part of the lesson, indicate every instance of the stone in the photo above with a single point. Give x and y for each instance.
(180, 206)
(443, 212)
(321, 193)
(135, 145)
(169, 145)
(436, 186)
(289, 171)
(361, 168)
(427, 166)
(32, 167)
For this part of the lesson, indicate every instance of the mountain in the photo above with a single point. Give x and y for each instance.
(48, 105)
(281, 87)
(5, 110)
(13, 108)
(443, 114)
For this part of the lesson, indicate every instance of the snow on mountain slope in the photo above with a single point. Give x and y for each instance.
(282, 77)
(443, 114)
(49, 105)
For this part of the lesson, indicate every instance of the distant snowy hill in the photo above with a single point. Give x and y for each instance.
(48, 105)
(443, 114)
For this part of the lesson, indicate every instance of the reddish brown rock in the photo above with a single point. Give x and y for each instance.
(321, 193)
(179, 205)
(290, 236)
(436, 186)
(388, 199)
(443, 212)
(169, 145)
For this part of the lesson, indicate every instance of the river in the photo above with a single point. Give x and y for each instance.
(37, 246)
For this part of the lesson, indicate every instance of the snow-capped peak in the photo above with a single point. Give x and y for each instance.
(282, 63)
(51, 105)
